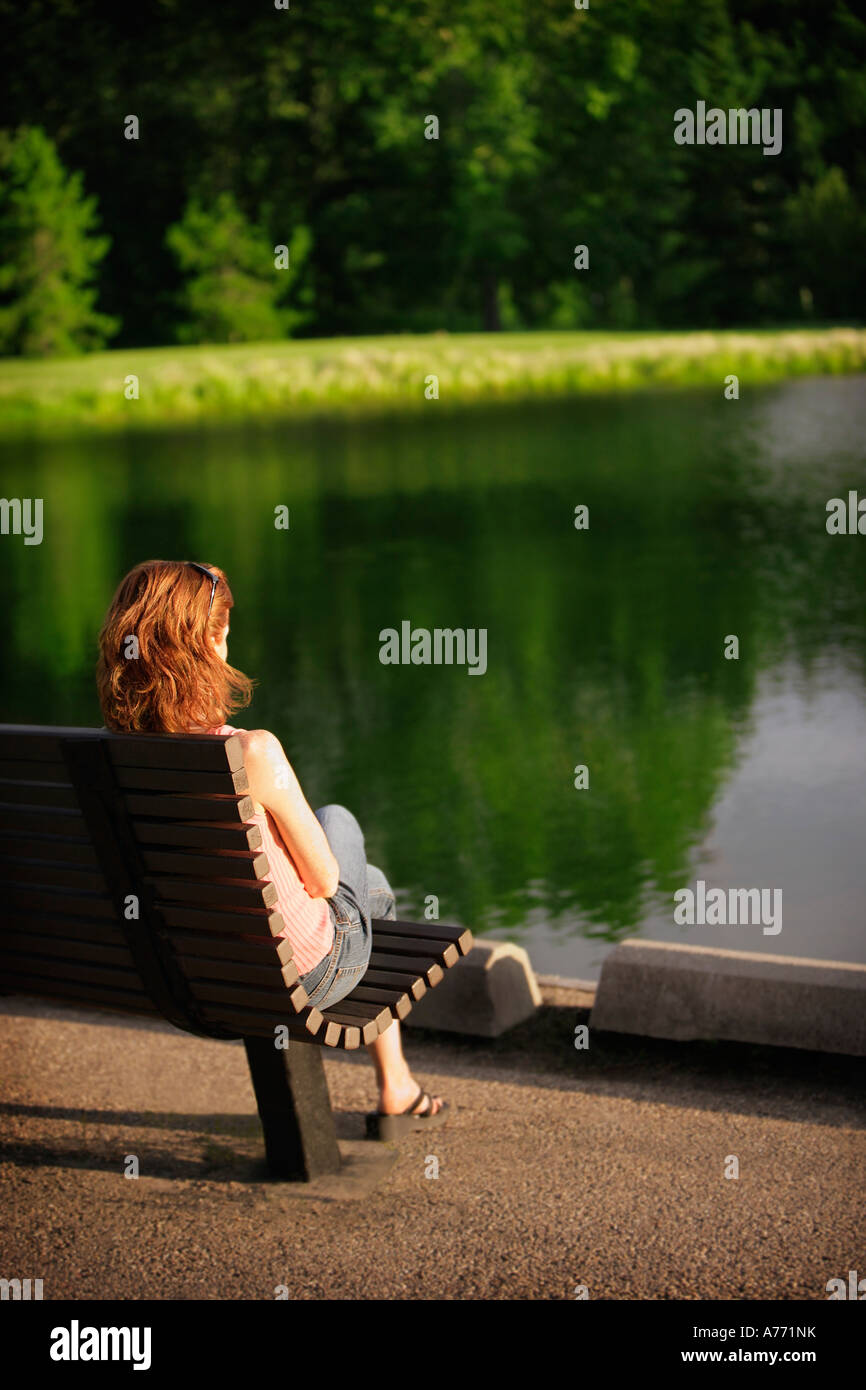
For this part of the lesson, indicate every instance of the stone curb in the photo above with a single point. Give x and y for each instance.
(490, 990)
(686, 993)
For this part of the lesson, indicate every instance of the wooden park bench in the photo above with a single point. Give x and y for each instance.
(130, 880)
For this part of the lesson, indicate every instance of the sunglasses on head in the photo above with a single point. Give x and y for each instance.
(214, 579)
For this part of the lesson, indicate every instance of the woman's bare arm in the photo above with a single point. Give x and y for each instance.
(273, 784)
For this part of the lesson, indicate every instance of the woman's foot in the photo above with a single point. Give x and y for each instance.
(419, 1112)
(403, 1104)
(395, 1098)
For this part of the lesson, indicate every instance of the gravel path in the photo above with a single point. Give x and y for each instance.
(602, 1168)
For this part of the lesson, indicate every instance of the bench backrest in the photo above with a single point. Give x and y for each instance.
(129, 878)
(132, 878)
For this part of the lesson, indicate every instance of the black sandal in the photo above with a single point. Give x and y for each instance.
(381, 1126)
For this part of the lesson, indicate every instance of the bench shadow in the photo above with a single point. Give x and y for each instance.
(238, 1125)
(216, 1147)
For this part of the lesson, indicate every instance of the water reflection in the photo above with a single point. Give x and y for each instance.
(605, 646)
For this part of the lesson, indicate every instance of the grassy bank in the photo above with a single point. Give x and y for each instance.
(204, 384)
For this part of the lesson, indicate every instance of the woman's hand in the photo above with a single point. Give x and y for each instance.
(273, 784)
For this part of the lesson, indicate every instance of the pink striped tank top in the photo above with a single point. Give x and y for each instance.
(309, 925)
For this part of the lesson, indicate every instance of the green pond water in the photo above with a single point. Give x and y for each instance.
(605, 646)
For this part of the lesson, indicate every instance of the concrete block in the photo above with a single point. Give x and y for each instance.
(489, 991)
(688, 992)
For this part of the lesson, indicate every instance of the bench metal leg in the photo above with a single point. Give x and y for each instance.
(295, 1109)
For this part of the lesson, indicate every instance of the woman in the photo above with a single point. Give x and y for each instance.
(178, 680)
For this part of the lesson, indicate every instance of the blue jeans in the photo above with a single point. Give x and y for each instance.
(363, 893)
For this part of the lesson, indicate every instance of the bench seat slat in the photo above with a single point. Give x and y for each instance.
(360, 1012)
(57, 924)
(396, 1000)
(262, 1022)
(51, 848)
(159, 779)
(33, 741)
(276, 950)
(413, 985)
(190, 833)
(215, 892)
(25, 769)
(273, 976)
(224, 947)
(224, 783)
(292, 998)
(171, 866)
(29, 947)
(205, 752)
(255, 922)
(244, 866)
(57, 966)
(58, 901)
(71, 938)
(39, 820)
(207, 807)
(69, 948)
(347, 1037)
(204, 807)
(78, 992)
(429, 970)
(198, 752)
(444, 952)
(75, 877)
(49, 795)
(367, 1029)
(198, 835)
(460, 937)
(62, 887)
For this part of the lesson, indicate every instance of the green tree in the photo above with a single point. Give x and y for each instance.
(828, 228)
(233, 284)
(475, 76)
(555, 129)
(48, 252)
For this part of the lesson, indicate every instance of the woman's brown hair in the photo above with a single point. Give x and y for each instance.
(170, 679)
